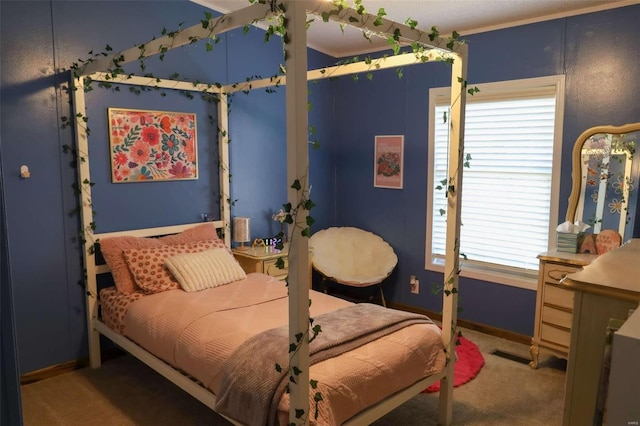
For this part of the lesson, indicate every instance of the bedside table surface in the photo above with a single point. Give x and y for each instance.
(262, 252)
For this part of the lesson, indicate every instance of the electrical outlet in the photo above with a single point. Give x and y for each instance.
(415, 285)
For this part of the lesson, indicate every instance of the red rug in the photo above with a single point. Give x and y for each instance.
(470, 361)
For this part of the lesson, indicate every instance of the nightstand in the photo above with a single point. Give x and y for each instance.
(263, 259)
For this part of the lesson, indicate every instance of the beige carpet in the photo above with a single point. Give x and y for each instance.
(126, 392)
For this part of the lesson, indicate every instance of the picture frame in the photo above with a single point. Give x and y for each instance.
(388, 167)
(152, 146)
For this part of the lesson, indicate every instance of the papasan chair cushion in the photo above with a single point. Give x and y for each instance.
(351, 256)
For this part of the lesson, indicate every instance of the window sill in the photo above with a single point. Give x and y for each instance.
(527, 279)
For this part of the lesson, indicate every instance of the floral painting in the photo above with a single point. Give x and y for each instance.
(152, 145)
(388, 162)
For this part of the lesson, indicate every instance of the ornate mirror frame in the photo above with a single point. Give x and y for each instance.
(603, 143)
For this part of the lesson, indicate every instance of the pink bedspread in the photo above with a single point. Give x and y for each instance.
(196, 332)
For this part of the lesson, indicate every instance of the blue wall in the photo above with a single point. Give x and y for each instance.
(258, 139)
(599, 53)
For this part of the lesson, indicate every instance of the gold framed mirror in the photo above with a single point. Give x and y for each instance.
(604, 178)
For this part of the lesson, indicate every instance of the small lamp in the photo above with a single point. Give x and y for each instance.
(241, 232)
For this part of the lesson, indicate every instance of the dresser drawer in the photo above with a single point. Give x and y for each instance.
(553, 273)
(270, 268)
(249, 265)
(557, 296)
(555, 316)
(557, 336)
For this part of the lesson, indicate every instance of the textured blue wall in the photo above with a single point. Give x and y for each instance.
(599, 54)
(48, 303)
(258, 138)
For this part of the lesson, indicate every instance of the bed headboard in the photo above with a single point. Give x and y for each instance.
(151, 232)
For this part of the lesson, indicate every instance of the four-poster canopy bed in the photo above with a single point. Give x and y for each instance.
(298, 298)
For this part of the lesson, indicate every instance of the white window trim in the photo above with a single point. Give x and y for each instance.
(514, 277)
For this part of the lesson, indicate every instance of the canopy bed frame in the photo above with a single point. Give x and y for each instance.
(296, 80)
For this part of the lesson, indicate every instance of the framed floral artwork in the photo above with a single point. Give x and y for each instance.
(152, 145)
(389, 162)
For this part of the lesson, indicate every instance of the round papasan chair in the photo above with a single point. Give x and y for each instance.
(352, 256)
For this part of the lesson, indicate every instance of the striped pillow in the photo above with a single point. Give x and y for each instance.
(205, 269)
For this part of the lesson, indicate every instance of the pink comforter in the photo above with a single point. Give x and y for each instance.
(197, 332)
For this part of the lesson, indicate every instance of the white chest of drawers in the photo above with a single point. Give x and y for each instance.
(554, 304)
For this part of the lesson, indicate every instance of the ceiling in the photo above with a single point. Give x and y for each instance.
(463, 16)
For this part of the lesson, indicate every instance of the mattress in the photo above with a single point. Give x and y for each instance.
(197, 332)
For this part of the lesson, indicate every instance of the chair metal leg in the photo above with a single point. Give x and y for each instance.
(384, 303)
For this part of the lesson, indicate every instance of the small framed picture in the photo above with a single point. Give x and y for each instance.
(388, 162)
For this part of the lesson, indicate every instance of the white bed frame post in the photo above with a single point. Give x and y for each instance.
(86, 216)
(223, 168)
(298, 168)
(452, 257)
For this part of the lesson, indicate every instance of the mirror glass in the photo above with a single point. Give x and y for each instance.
(605, 174)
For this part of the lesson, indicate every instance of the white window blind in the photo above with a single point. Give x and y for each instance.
(507, 188)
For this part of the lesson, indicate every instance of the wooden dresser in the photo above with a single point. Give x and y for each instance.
(609, 288)
(554, 304)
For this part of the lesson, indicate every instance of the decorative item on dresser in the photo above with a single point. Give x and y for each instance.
(281, 218)
(554, 303)
(263, 259)
(241, 232)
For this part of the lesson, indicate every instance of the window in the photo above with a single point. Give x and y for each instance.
(513, 133)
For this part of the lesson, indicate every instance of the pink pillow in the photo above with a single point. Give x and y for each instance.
(148, 269)
(204, 232)
(112, 249)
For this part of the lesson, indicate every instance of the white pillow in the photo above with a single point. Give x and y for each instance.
(205, 269)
